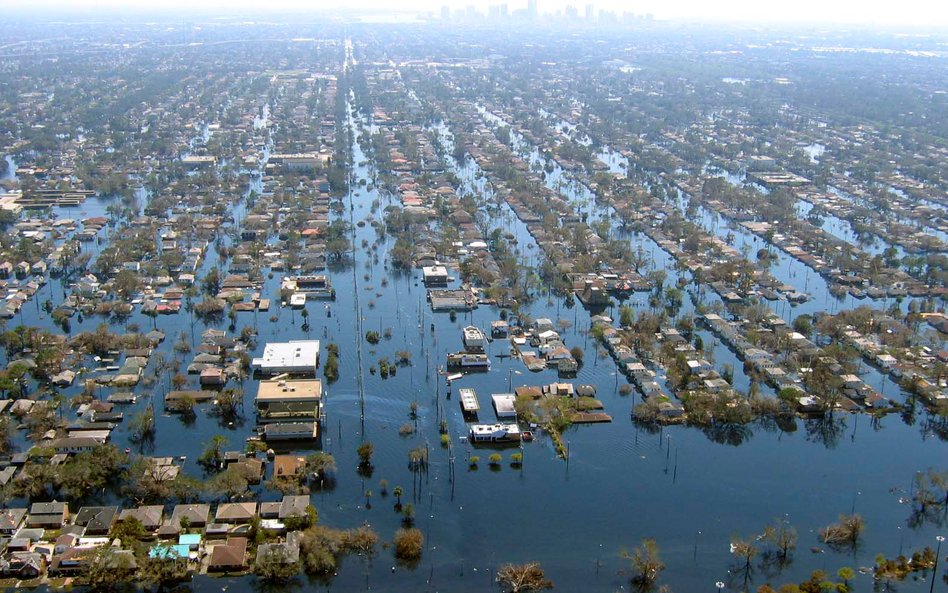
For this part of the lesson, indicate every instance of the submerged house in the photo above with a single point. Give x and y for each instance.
(296, 357)
(494, 433)
(287, 400)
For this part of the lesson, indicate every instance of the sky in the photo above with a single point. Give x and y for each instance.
(922, 13)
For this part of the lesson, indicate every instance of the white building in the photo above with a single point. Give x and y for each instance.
(434, 275)
(296, 357)
(494, 433)
(504, 405)
(474, 339)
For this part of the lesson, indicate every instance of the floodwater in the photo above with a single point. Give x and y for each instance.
(690, 489)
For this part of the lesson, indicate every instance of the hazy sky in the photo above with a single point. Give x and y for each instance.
(890, 12)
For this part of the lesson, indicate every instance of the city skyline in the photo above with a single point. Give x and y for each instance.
(914, 13)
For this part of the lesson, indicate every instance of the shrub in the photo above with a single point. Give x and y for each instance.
(844, 533)
(409, 543)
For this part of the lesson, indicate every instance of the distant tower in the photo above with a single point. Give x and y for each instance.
(445, 13)
(589, 12)
(532, 8)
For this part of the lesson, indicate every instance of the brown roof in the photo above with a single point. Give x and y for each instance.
(529, 390)
(196, 513)
(288, 465)
(149, 516)
(236, 511)
(229, 555)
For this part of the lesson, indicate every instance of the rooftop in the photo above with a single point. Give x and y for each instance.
(292, 356)
(282, 390)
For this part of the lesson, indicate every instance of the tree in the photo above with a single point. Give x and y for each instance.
(645, 563)
(213, 455)
(129, 530)
(518, 578)
(178, 381)
(6, 435)
(211, 284)
(110, 569)
(408, 515)
(185, 405)
(745, 550)
(845, 532)
(803, 324)
(142, 426)
(319, 548)
(409, 544)
(163, 571)
(362, 540)
(231, 483)
(331, 368)
(364, 451)
(229, 403)
(846, 574)
(275, 565)
(320, 463)
(126, 284)
(90, 471)
(782, 537)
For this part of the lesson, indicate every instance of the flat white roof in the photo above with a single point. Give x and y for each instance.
(469, 399)
(292, 356)
(504, 404)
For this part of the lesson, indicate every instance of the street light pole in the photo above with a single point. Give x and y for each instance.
(931, 587)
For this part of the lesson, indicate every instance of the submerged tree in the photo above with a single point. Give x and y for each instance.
(518, 578)
(646, 564)
(845, 532)
(409, 544)
(275, 565)
(364, 450)
(781, 538)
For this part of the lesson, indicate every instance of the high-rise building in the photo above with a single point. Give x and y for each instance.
(589, 12)
(445, 13)
(532, 8)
